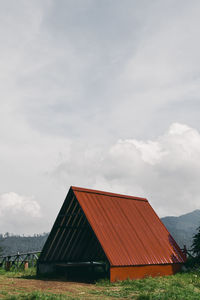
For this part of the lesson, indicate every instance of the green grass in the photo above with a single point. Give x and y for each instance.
(38, 296)
(30, 272)
(180, 286)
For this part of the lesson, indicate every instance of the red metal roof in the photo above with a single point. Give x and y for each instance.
(128, 229)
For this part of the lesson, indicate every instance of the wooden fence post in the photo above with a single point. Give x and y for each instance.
(26, 265)
(7, 265)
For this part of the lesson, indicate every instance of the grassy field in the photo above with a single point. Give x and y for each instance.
(25, 285)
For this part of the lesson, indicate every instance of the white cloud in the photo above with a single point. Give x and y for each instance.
(165, 170)
(12, 203)
(150, 151)
(18, 214)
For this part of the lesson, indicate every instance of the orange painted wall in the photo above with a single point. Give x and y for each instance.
(137, 272)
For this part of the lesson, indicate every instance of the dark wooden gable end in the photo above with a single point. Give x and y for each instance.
(71, 238)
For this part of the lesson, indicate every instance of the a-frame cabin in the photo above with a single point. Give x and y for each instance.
(96, 228)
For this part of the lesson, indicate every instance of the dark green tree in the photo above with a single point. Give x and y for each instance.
(196, 243)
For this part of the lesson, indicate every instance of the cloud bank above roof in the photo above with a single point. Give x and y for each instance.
(165, 170)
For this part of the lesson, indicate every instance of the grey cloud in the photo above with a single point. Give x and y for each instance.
(116, 62)
(77, 76)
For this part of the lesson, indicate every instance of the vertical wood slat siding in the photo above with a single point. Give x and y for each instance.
(71, 238)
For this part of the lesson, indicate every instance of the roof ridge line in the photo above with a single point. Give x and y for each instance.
(80, 189)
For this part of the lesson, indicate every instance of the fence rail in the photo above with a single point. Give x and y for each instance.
(19, 260)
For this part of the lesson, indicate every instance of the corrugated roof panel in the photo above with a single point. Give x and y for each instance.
(128, 229)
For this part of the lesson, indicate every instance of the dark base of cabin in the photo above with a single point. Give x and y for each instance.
(90, 272)
(79, 272)
(45, 269)
(138, 272)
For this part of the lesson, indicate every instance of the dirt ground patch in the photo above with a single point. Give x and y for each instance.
(11, 286)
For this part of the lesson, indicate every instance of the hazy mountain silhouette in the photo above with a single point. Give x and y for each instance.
(184, 227)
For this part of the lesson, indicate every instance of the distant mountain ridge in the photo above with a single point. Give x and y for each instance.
(184, 227)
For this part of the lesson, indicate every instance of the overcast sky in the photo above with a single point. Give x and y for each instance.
(101, 94)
